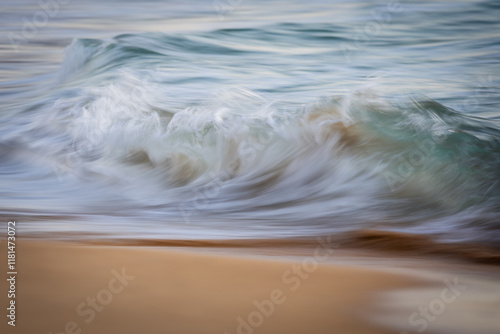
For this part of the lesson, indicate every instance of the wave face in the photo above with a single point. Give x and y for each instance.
(151, 134)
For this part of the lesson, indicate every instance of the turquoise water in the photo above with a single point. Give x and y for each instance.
(233, 119)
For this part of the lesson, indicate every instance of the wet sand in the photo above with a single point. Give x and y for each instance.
(75, 288)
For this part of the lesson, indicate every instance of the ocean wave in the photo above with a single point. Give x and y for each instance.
(339, 163)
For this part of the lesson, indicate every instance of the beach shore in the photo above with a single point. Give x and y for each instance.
(75, 288)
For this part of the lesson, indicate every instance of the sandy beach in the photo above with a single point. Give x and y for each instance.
(75, 288)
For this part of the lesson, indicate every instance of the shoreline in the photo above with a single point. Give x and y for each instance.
(62, 285)
(382, 243)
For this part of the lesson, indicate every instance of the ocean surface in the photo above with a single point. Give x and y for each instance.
(250, 119)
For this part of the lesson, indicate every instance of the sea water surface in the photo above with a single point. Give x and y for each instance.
(250, 118)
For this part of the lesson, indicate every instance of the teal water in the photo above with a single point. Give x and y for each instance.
(234, 119)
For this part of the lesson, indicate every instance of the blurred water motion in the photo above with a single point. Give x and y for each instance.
(252, 118)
